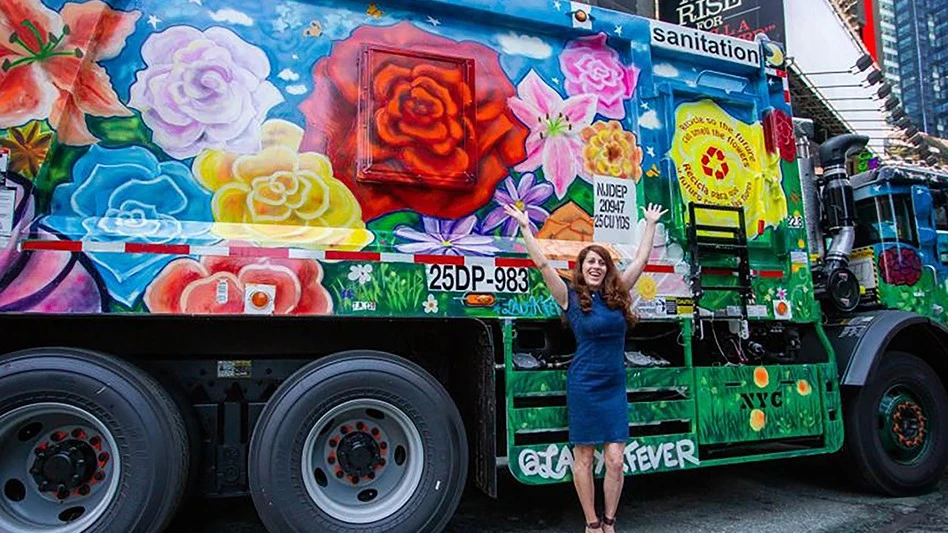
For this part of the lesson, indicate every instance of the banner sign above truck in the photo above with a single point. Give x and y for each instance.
(743, 19)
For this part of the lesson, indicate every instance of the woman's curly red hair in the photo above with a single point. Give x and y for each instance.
(614, 291)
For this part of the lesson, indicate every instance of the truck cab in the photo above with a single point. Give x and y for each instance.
(900, 253)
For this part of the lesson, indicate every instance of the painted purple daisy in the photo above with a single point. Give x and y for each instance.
(528, 196)
(445, 237)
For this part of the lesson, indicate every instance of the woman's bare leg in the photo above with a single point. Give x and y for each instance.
(612, 485)
(583, 480)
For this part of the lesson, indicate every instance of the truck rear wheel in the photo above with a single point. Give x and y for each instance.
(897, 427)
(360, 441)
(87, 444)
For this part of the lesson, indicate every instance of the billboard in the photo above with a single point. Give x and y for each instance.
(737, 18)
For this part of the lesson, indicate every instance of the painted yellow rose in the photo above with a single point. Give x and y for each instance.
(612, 151)
(280, 197)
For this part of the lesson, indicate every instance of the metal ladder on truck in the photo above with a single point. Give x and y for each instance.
(733, 243)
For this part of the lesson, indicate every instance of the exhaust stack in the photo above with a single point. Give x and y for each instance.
(838, 219)
(803, 132)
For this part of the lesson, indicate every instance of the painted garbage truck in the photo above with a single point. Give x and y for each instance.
(259, 248)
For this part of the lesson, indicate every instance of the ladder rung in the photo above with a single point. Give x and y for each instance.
(712, 207)
(720, 229)
(719, 244)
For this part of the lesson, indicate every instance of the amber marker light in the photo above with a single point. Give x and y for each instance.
(475, 299)
(260, 299)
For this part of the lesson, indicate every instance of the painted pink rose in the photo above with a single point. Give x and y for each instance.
(592, 67)
(195, 287)
(43, 281)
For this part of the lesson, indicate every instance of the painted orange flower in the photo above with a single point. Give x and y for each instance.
(28, 146)
(758, 420)
(761, 377)
(803, 387)
(612, 151)
(49, 64)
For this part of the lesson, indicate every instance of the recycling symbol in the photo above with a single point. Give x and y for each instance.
(713, 163)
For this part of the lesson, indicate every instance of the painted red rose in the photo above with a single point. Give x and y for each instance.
(194, 287)
(421, 115)
(900, 266)
(778, 135)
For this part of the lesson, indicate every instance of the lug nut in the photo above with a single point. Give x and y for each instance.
(332, 442)
(58, 436)
(360, 426)
(84, 490)
(95, 440)
(99, 476)
(382, 461)
(339, 474)
(344, 430)
(375, 432)
(331, 460)
(104, 457)
(355, 480)
(383, 445)
(78, 433)
(370, 475)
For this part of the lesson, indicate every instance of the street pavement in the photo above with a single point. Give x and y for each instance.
(803, 495)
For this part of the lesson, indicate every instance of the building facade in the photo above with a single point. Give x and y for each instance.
(922, 59)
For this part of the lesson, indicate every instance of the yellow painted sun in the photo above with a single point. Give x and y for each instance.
(647, 288)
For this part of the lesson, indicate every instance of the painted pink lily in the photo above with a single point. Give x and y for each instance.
(554, 143)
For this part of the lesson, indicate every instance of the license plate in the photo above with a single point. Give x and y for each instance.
(478, 278)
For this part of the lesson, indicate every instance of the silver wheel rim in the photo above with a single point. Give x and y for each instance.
(53, 446)
(351, 438)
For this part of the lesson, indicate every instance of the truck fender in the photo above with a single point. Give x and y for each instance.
(859, 340)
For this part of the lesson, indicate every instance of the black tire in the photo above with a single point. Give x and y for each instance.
(864, 451)
(149, 431)
(276, 447)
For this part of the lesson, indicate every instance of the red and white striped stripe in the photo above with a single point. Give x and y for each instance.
(782, 74)
(329, 255)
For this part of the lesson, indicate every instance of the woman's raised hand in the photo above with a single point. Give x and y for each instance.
(522, 219)
(653, 213)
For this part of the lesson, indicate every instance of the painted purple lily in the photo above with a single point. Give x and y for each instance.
(445, 237)
(526, 196)
(554, 143)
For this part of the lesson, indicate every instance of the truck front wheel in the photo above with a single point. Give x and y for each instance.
(897, 427)
(360, 441)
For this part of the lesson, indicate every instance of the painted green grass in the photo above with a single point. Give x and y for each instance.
(394, 289)
(725, 417)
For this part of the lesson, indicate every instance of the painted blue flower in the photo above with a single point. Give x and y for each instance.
(126, 195)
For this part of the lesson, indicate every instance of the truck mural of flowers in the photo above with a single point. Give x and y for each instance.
(188, 123)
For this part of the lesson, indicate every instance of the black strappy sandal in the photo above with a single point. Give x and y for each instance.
(609, 521)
